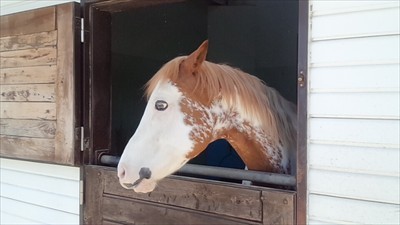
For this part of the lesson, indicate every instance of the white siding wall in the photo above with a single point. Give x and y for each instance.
(14, 6)
(353, 150)
(37, 193)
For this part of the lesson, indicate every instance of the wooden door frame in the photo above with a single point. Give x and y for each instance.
(302, 103)
(97, 116)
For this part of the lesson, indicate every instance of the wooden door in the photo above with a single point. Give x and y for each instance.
(40, 84)
(183, 200)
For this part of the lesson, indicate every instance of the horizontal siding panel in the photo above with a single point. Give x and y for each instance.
(38, 40)
(378, 161)
(6, 218)
(380, 105)
(29, 75)
(41, 193)
(356, 24)
(28, 93)
(357, 186)
(38, 213)
(28, 110)
(334, 6)
(28, 57)
(14, 6)
(368, 77)
(347, 211)
(63, 172)
(379, 132)
(359, 50)
(43, 183)
(28, 128)
(40, 198)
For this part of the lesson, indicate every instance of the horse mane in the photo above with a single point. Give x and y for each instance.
(262, 105)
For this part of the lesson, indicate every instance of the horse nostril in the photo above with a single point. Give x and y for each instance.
(121, 172)
(144, 173)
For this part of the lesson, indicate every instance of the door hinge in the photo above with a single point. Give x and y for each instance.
(301, 79)
(81, 192)
(82, 31)
(82, 139)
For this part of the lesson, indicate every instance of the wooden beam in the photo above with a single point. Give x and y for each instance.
(27, 93)
(138, 212)
(28, 128)
(28, 57)
(29, 75)
(37, 40)
(27, 148)
(278, 207)
(202, 196)
(28, 110)
(33, 21)
(92, 212)
(65, 85)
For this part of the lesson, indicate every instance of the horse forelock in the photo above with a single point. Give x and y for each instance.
(260, 105)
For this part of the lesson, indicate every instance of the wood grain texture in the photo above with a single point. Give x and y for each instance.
(107, 222)
(28, 57)
(28, 75)
(28, 110)
(178, 200)
(27, 148)
(33, 21)
(94, 187)
(27, 93)
(65, 89)
(201, 196)
(37, 40)
(28, 128)
(278, 207)
(137, 212)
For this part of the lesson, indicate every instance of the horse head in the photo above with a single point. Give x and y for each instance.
(192, 102)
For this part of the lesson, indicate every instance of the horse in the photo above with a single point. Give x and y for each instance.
(193, 102)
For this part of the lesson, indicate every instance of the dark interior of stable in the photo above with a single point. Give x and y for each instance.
(259, 37)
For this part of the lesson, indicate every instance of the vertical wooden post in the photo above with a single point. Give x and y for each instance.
(65, 85)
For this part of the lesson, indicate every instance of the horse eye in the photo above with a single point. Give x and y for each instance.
(161, 105)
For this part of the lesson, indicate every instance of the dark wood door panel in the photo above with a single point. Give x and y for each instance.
(183, 200)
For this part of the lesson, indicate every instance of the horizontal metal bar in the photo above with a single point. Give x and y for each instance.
(221, 172)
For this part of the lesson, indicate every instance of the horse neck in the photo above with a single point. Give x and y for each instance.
(252, 144)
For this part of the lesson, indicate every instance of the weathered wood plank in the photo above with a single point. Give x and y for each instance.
(65, 85)
(107, 222)
(139, 212)
(278, 207)
(202, 196)
(37, 40)
(28, 128)
(29, 75)
(93, 195)
(27, 148)
(27, 93)
(28, 110)
(33, 21)
(28, 57)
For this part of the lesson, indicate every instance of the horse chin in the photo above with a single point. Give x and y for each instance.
(145, 186)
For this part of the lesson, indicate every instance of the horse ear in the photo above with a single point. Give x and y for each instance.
(192, 63)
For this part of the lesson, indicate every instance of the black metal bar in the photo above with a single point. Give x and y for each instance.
(228, 173)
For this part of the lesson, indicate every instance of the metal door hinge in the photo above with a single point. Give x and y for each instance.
(81, 191)
(82, 31)
(84, 141)
(301, 79)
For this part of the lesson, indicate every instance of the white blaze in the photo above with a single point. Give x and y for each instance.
(161, 141)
